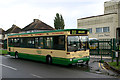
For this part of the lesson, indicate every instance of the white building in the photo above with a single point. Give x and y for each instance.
(104, 26)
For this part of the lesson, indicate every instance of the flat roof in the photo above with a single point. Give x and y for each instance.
(46, 31)
(96, 16)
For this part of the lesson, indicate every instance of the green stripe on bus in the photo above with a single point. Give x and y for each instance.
(46, 31)
(55, 60)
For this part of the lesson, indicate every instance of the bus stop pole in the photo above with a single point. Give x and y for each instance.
(117, 55)
(112, 56)
(101, 55)
(114, 49)
(117, 58)
(101, 61)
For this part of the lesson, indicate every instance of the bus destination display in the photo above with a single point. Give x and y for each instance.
(78, 32)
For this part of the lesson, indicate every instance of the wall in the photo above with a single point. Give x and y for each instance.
(110, 7)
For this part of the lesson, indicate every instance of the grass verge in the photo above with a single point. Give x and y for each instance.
(3, 52)
(114, 64)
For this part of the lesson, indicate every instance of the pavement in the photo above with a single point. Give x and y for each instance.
(98, 57)
(102, 68)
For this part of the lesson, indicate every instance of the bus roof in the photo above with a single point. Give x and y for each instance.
(46, 31)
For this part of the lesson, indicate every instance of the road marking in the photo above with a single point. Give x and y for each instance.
(104, 67)
(100, 66)
(36, 76)
(9, 67)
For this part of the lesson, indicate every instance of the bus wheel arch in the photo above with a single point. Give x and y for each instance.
(48, 59)
(16, 55)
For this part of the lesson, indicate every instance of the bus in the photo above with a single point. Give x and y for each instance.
(64, 47)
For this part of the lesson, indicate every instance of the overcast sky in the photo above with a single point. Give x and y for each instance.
(22, 12)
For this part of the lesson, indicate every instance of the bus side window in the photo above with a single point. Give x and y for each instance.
(31, 43)
(41, 45)
(10, 42)
(16, 42)
(48, 42)
(21, 42)
(59, 42)
(36, 43)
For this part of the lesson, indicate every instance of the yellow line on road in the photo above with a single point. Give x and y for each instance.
(99, 65)
(104, 67)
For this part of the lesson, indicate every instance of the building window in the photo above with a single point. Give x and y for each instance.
(99, 30)
(90, 30)
(106, 29)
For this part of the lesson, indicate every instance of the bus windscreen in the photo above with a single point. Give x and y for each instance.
(77, 43)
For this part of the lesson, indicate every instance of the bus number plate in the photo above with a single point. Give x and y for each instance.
(80, 60)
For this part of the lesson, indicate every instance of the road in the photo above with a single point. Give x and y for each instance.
(20, 68)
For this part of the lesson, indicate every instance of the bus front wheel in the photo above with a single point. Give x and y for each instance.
(87, 63)
(49, 60)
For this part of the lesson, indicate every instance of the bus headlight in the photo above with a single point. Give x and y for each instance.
(70, 59)
(87, 56)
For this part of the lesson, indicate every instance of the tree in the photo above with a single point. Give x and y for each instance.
(59, 22)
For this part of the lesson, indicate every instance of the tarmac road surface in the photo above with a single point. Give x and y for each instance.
(20, 68)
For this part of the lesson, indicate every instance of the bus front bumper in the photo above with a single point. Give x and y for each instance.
(79, 60)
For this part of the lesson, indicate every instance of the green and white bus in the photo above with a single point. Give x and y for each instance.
(65, 47)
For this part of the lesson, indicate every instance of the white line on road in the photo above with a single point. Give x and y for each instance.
(36, 76)
(9, 67)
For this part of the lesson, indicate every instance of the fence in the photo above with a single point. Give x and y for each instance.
(103, 47)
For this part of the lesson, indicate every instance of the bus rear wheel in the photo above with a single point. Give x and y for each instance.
(49, 60)
(16, 55)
